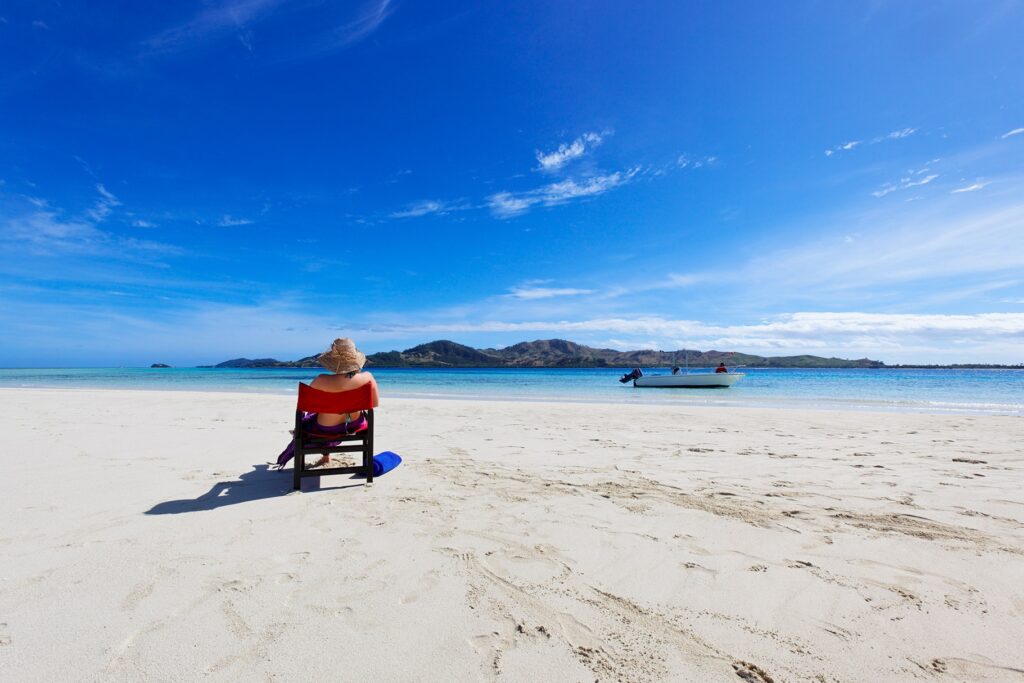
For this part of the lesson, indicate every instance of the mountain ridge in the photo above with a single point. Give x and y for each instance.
(558, 353)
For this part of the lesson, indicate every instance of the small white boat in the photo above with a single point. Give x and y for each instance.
(695, 381)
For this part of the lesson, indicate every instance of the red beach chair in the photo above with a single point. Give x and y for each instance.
(307, 441)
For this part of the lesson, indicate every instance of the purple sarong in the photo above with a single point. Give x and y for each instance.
(318, 431)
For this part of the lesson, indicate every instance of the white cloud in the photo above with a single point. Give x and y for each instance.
(684, 161)
(279, 329)
(229, 222)
(362, 26)
(237, 17)
(677, 280)
(849, 333)
(969, 188)
(104, 205)
(552, 161)
(1015, 131)
(534, 292)
(915, 179)
(142, 224)
(946, 239)
(49, 234)
(563, 191)
(671, 281)
(213, 19)
(842, 147)
(427, 207)
(37, 229)
(894, 135)
(508, 204)
(107, 196)
(505, 204)
(40, 24)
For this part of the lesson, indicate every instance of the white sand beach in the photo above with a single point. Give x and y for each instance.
(143, 538)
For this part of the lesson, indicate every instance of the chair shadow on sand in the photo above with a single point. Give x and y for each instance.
(258, 484)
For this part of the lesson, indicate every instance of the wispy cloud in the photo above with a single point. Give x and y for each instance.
(282, 330)
(215, 19)
(944, 240)
(907, 336)
(139, 223)
(428, 207)
(804, 325)
(671, 281)
(1015, 131)
(913, 179)
(842, 147)
(39, 24)
(228, 221)
(506, 204)
(352, 32)
(894, 135)
(553, 161)
(49, 233)
(104, 205)
(890, 254)
(684, 161)
(509, 204)
(533, 290)
(969, 188)
(318, 34)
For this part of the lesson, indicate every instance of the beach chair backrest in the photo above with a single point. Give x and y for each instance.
(316, 401)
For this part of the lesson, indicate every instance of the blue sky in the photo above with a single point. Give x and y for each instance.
(192, 181)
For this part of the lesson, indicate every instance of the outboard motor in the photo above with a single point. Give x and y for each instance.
(630, 376)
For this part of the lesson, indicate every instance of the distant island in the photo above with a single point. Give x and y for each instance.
(557, 353)
(159, 365)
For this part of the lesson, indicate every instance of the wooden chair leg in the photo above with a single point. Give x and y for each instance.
(368, 461)
(299, 458)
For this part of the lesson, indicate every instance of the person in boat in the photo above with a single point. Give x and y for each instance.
(721, 368)
(675, 370)
(345, 362)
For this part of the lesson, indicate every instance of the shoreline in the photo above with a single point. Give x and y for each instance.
(696, 401)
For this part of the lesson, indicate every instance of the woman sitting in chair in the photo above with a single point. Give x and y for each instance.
(346, 362)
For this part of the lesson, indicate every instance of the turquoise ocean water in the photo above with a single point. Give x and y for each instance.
(940, 391)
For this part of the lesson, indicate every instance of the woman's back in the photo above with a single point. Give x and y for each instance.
(337, 383)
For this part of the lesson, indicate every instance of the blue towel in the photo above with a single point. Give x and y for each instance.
(385, 462)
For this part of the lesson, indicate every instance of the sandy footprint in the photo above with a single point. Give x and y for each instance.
(236, 624)
(239, 585)
(960, 669)
(751, 672)
(424, 585)
(137, 594)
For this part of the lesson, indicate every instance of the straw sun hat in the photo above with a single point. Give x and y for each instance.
(342, 357)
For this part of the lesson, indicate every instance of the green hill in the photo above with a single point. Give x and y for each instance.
(559, 353)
